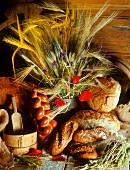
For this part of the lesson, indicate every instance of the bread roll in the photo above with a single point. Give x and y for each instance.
(105, 99)
(82, 151)
(21, 91)
(88, 119)
(92, 135)
(123, 112)
(63, 137)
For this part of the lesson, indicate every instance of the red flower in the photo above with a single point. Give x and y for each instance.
(85, 95)
(59, 158)
(38, 159)
(59, 102)
(75, 79)
(35, 152)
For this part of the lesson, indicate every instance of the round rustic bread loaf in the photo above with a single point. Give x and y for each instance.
(106, 98)
(88, 119)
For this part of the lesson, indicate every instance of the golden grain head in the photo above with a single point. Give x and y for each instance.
(56, 47)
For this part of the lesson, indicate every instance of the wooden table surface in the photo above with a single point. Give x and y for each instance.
(55, 166)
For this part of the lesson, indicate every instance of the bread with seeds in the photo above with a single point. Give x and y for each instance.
(91, 135)
(63, 137)
(88, 119)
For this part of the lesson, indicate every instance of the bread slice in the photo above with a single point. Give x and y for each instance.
(88, 119)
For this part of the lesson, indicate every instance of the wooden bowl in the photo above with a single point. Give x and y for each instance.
(20, 144)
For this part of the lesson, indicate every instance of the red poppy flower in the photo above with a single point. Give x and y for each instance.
(75, 79)
(59, 158)
(35, 152)
(38, 159)
(85, 95)
(59, 102)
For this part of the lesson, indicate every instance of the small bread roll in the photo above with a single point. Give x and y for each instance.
(82, 151)
(88, 119)
(105, 100)
(91, 135)
(123, 112)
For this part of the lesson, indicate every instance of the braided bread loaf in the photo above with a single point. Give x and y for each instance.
(41, 113)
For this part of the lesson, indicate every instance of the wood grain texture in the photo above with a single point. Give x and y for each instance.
(115, 37)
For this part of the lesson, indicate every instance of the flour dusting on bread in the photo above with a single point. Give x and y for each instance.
(88, 119)
(105, 98)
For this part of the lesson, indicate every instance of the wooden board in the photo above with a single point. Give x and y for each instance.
(115, 37)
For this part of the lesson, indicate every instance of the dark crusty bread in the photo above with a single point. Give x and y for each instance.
(82, 151)
(106, 98)
(63, 137)
(21, 90)
(88, 119)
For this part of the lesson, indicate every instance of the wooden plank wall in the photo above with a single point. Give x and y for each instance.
(115, 37)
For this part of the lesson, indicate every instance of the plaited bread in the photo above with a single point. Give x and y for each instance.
(88, 119)
(41, 113)
(105, 99)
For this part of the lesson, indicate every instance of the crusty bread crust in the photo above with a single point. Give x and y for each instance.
(123, 112)
(82, 151)
(105, 99)
(88, 119)
(92, 135)
(63, 137)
